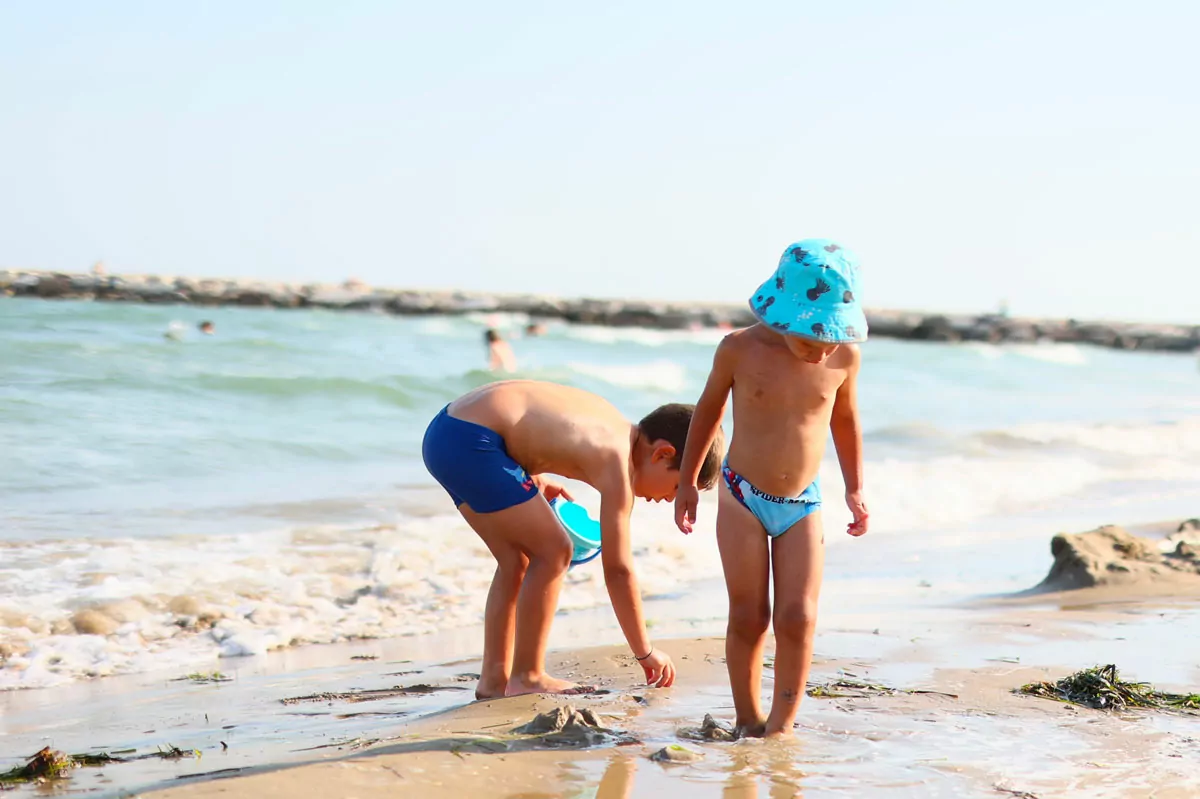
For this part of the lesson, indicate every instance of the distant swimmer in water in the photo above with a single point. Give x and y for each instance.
(207, 328)
(535, 329)
(500, 355)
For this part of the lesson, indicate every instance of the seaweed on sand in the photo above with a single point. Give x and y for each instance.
(372, 694)
(857, 689)
(201, 677)
(46, 764)
(49, 764)
(1101, 687)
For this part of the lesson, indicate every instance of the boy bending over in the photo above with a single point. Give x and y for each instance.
(793, 376)
(490, 449)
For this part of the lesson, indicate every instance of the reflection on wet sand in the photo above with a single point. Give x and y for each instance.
(754, 770)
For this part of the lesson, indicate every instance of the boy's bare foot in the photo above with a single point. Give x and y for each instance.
(778, 735)
(545, 684)
(757, 730)
(490, 689)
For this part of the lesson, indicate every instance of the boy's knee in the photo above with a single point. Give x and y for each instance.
(749, 620)
(556, 557)
(795, 619)
(513, 568)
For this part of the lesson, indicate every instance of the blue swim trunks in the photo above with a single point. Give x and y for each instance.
(471, 462)
(776, 514)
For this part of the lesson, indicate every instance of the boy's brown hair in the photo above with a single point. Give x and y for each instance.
(670, 423)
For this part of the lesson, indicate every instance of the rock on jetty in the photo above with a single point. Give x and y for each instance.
(353, 295)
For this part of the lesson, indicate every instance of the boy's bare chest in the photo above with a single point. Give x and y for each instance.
(767, 381)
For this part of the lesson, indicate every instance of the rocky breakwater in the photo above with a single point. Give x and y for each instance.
(354, 295)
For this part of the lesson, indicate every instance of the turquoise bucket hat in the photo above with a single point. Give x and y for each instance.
(813, 294)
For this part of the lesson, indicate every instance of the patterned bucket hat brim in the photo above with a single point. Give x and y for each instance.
(813, 294)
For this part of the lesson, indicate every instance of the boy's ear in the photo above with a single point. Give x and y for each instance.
(663, 450)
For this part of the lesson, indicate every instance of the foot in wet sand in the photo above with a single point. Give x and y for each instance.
(491, 689)
(545, 684)
(755, 730)
(492, 682)
(776, 731)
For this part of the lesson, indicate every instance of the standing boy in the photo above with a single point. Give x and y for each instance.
(793, 376)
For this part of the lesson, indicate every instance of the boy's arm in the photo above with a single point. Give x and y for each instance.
(616, 505)
(710, 409)
(847, 440)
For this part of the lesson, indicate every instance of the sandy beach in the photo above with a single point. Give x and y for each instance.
(917, 701)
(944, 732)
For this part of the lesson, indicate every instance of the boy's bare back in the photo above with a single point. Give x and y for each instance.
(550, 428)
(781, 407)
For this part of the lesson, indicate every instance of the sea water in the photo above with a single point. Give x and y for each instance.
(262, 487)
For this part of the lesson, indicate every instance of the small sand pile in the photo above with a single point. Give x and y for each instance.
(568, 726)
(1111, 556)
(709, 730)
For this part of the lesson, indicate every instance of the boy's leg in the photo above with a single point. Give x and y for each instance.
(798, 558)
(745, 559)
(532, 529)
(499, 617)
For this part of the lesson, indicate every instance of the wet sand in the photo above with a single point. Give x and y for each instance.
(965, 734)
(972, 737)
(395, 717)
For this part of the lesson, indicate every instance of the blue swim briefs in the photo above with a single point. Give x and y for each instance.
(776, 514)
(471, 462)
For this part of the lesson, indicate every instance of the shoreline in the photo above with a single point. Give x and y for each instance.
(291, 724)
(355, 296)
(882, 724)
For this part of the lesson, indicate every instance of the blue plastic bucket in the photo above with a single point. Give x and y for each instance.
(582, 529)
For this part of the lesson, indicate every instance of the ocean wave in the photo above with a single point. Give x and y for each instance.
(396, 390)
(182, 602)
(1178, 440)
(662, 375)
(1065, 354)
(645, 337)
(1059, 353)
(1175, 441)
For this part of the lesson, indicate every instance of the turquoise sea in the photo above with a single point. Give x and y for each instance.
(259, 488)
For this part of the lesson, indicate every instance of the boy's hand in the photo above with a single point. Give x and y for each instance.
(858, 507)
(687, 500)
(552, 490)
(660, 671)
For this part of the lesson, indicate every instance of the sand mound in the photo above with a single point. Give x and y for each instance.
(1111, 556)
(567, 726)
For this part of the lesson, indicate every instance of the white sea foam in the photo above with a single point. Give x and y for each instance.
(641, 336)
(1051, 352)
(1161, 442)
(664, 375)
(1048, 351)
(324, 584)
(1057, 462)
(268, 591)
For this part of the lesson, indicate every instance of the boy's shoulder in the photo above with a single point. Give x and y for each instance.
(742, 338)
(748, 340)
(847, 356)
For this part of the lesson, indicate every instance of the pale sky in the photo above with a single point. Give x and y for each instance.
(1043, 152)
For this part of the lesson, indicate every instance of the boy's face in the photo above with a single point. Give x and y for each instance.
(810, 350)
(654, 479)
